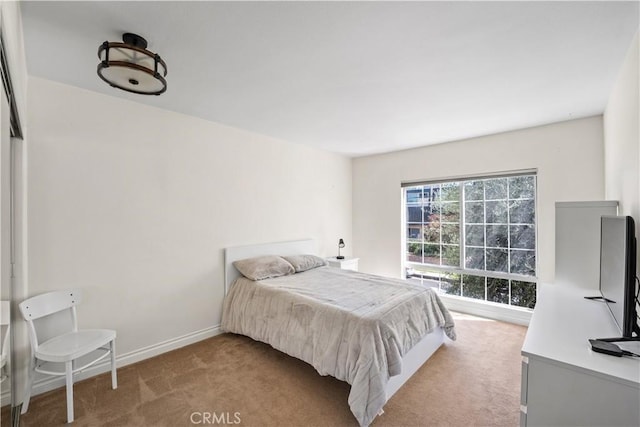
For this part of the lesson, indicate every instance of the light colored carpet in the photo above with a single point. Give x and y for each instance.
(474, 381)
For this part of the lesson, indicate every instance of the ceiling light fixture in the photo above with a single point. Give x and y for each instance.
(130, 66)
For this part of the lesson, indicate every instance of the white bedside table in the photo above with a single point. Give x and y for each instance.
(348, 263)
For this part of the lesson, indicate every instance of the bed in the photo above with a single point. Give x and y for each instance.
(369, 331)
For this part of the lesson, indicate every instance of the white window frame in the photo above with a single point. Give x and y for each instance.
(460, 270)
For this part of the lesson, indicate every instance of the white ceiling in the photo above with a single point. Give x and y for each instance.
(352, 77)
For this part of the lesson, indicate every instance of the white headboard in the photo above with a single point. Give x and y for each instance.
(307, 246)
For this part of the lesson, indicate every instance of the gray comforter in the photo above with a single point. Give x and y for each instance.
(353, 326)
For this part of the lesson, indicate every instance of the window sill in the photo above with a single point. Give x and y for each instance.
(505, 313)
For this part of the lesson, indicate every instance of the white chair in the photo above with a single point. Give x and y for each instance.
(61, 354)
(5, 320)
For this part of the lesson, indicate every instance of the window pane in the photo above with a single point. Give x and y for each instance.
(474, 235)
(414, 195)
(522, 211)
(474, 190)
(450, 283)
(413, 232)
(450, 191)
(431, 209)
(523, 294)
(450, 211)
(474, 258)
(414, 214)
(414, 252)
(497, 236)
(522, 187)
(497, 260)
(432, 232)
(474, 212)
(451, 255)
(430, 195)
(523, 236)
(473, 286)
(498, 290)
(496, 188)
(451, 233)
(432, 254)
(523, 262)
(497, 212)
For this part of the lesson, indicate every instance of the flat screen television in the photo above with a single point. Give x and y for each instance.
(618, 271)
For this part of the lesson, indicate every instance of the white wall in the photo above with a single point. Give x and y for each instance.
(135, 204)
(622, 138)
(567, 156)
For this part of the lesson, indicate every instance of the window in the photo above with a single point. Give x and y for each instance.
(474, 237)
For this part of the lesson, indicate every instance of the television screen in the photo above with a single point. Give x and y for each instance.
(618, 270)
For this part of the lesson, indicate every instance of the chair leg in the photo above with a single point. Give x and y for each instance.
(27, 392)
(114, 375)
(69, 377)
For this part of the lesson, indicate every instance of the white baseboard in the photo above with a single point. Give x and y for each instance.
(517, 315)
(48, 383)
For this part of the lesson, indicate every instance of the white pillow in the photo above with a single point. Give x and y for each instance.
(263, 267)
(305, 262)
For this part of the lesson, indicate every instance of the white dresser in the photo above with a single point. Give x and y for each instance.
(565, 383)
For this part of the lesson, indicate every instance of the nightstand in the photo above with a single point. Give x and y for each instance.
(348, 263)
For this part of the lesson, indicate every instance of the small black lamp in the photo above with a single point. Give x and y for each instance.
(340, 246)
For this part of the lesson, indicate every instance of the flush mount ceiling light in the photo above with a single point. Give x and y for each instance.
(130, 66)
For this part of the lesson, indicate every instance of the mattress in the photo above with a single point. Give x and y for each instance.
(353, 326)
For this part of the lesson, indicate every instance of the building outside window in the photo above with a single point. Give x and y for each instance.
(474, 238)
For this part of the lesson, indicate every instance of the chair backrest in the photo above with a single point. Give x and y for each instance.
(49, 303)
(46, 304)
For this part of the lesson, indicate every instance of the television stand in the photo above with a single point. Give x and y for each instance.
(564, 382)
